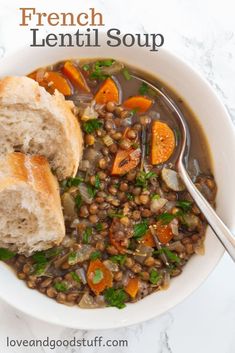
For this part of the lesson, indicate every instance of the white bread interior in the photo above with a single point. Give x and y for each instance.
(36, 122)
(30, 207)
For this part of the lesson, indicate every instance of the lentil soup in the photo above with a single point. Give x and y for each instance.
(130, 224)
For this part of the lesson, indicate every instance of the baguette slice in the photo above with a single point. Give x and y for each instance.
(35, 122)
(31, 215)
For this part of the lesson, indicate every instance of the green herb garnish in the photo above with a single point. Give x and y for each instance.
(78, 201)
(166, 217)
(39, 269)
(140, 229)
(86, 67)
(95, 255)
(143, 90)
(185, 205)
(118, 259)
(86, 235)
(97, 182)
(154, 276)
(6, 254)
(99, 227)
(126, 74)
(92, 125)
(97, 69)
(75, 277)
(129, 196)
(72, 182)
(97, 276)
(91, 191)
(169, 254)
(61, 286)
(72, 258)
(143, 178)
(116, 297)
(155, 197)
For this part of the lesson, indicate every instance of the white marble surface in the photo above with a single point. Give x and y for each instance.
(201, 32)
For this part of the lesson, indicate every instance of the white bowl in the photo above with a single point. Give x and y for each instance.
(219, 131)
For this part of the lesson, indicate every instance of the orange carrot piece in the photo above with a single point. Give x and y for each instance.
(132, 287)
(148, 240)
(130, 161)
(56, 81)
(164, 232)
(139, 103)
(108, 92)
(105, 277)
(53, 80)
(75, 76)
(163, 142)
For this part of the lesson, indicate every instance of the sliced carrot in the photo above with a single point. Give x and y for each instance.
(132, 287)
(148, 240)
(117, 244)
(139, 103)
(124, 161)
(97, 284)
(57, 81)
(108, 92)
(53, 80)
(164, 232)
(75, 76)
(163, 142)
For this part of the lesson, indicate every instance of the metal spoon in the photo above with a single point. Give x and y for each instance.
(220, 229)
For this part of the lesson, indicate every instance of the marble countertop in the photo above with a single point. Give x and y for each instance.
(201, 32)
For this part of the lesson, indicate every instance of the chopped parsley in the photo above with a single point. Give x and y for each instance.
(169, 254)
(185, 205)
(155, 197)
(95, 255)
(98, 276)
(78, 201)
(97, 182)
(116, 297)
(72, 181)
(39, 269)
(75, 277)
(72, 258)
(61, 286)
(86, 235)
(143, 90)
(42, 260)
(86, 67)
(166, 217)
(143, 178)
(99, 227)
(140, 229)
(118, 259)
(126, 74)
(129, 196)
(154, 276)
(97, 69)
(6, 254)
(92, 125)
(91, 191)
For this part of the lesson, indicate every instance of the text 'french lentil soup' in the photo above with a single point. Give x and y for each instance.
(130, 223)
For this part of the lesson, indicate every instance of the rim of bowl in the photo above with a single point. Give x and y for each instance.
(113, 317)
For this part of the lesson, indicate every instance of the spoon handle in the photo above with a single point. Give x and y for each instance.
(220, 229)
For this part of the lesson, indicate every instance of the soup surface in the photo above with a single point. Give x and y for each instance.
(130, 224)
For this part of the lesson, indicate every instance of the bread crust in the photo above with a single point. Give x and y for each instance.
(25, 94)
(33, 172)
